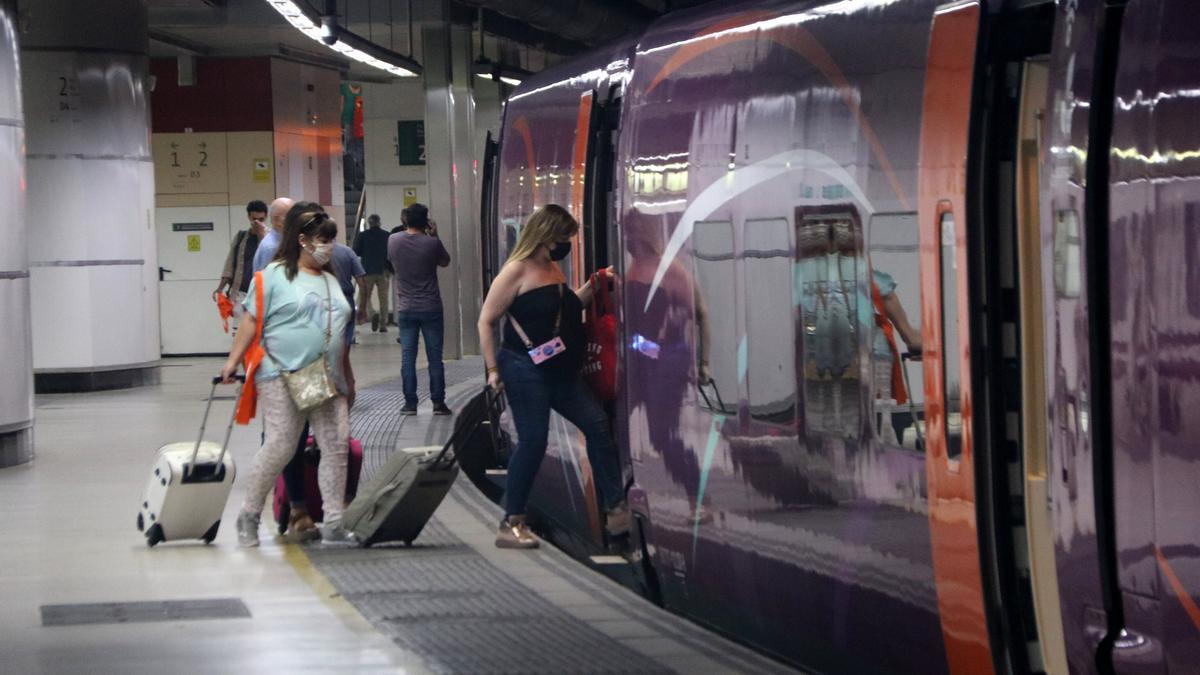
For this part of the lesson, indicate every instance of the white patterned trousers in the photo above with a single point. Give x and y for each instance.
(283, 424)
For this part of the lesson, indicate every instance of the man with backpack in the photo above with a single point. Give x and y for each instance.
(239, 264)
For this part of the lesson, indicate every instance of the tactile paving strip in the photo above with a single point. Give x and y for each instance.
(444, 602)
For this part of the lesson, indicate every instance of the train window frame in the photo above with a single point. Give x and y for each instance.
(948, 289)
(703, 400)
(785, 416)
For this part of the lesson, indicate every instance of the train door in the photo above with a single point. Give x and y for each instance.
(489, 233)
(1045, 607)
(946, 338)
(1018, 558)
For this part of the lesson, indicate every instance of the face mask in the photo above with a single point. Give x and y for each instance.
(322, 253)
(561, 250)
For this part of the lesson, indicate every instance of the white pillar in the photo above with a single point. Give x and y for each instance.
(466, 187)
(16, 366)
(450, 160)
(92, 248)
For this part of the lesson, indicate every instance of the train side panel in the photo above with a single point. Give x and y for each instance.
(768, 166)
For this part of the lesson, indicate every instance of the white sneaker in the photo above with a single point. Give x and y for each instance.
(334, 533)
(247, 529)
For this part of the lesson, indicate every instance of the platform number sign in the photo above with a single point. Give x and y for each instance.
(410, 142)
(68, 99)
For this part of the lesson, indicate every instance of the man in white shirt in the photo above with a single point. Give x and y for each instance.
(270, 244)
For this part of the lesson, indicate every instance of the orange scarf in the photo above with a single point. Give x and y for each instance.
(248, 404)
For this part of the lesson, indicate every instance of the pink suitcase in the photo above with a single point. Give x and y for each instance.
(312, 490)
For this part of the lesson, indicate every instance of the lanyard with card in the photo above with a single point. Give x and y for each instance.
(549, 349)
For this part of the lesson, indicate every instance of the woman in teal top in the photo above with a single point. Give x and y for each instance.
(304, 319)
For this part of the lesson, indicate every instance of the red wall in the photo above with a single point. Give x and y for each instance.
(229, 95)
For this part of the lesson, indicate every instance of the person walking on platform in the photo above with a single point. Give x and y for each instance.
(270, 243)
(349, 273)
(300, 525)
(371, 245)
(415, 254)
(239, 264)
(538, 364)
(303, 322)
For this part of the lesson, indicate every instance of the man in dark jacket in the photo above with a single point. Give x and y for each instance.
(371, 247)
(239, 264)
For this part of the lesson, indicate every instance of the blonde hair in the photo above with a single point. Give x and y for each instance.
(546, 226)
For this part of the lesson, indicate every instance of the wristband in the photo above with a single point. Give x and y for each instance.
(493, 369)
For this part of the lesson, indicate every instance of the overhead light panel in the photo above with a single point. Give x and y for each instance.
(326, 31)
(491, 70)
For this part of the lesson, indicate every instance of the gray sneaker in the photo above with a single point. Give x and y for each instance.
(334, 533)
(247, 529)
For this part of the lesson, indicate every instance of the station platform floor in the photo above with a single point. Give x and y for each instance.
(81, 592)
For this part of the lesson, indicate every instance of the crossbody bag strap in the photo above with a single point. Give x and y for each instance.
(329, 314)
(259, 278)
(557, 321)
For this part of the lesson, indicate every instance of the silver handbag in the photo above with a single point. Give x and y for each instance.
(312, 386)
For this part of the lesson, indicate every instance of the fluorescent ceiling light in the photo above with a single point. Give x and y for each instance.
(296, 16)
(490, 70)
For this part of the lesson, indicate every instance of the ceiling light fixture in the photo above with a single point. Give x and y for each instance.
(326, 31)
(491, 70)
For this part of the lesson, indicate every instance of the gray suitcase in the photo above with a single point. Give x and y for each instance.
(403, 494)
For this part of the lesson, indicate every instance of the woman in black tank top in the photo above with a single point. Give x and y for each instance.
(538, 364)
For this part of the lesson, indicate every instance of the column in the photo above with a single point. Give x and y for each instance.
(466, 189)
(93, 261)
(16, 367)
(452, 170)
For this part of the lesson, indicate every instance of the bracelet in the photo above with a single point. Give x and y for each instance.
(493, 369)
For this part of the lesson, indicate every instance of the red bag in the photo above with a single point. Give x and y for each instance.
(600, 364)
(312, 490)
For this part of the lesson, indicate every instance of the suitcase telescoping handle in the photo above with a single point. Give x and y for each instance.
(495, 408)
(241, 379)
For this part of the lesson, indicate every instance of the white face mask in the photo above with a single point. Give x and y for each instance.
(322, 253)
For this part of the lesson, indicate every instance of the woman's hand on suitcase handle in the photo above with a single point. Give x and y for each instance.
(229, 374)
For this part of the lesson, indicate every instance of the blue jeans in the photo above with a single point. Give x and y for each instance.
(431, 328)
(531, 396)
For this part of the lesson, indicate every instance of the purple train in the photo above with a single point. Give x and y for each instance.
(909, 310)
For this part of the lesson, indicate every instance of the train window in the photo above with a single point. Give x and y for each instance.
(770, 323)
(951, 356)
(1066, 254)
(831, 289)
(897, 376)
(716, 318)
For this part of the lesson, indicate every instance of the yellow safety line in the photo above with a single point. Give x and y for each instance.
(328, 595)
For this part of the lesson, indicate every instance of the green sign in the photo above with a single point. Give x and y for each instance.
(410, 142)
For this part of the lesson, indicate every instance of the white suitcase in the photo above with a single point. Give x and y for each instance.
(188, 486)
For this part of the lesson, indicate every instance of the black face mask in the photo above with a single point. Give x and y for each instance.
(561, 250)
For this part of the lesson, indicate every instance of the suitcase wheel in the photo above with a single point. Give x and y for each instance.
(154, 535)
(212, 533)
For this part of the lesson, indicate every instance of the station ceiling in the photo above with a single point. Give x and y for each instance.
(528, 34)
